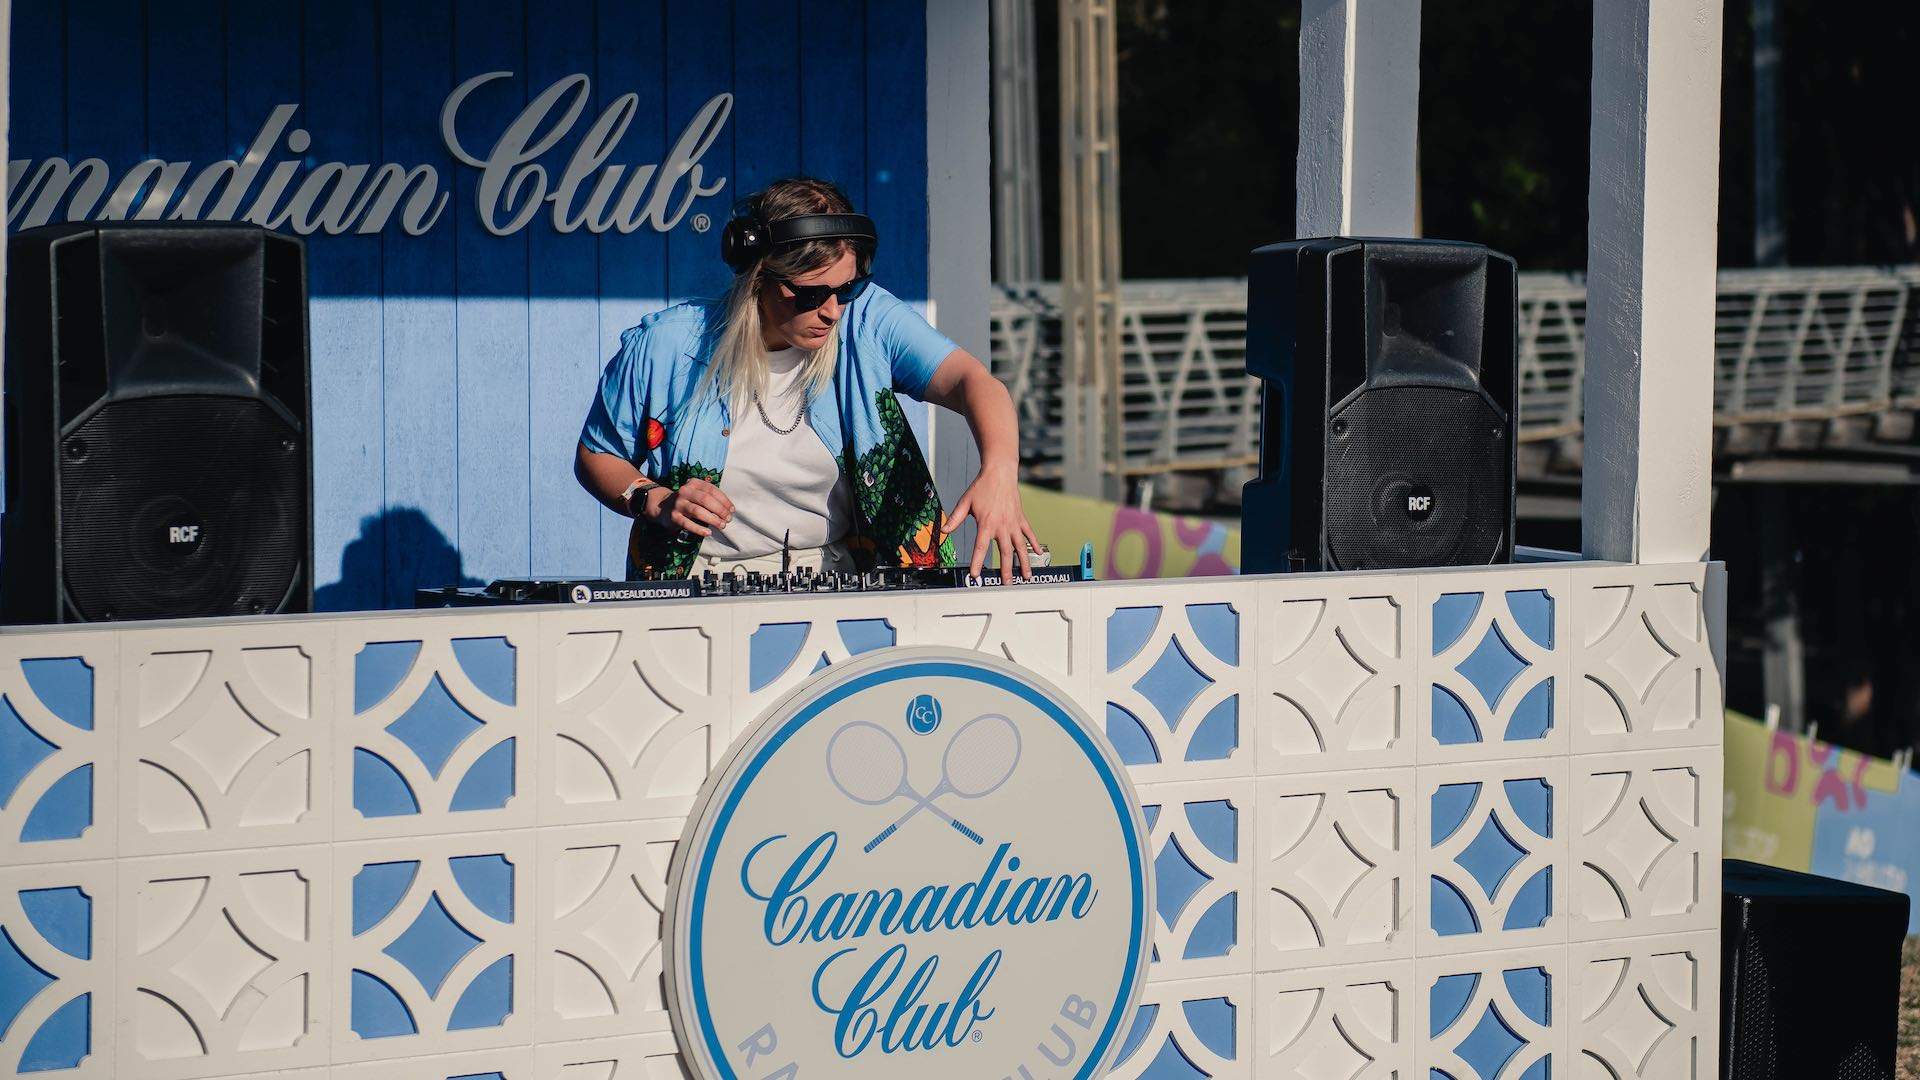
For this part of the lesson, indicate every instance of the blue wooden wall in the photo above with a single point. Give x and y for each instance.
(451, 370)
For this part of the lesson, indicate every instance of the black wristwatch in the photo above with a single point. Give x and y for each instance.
(640, 486)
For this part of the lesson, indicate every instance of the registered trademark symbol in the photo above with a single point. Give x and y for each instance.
(976, 1036)
(701, 223)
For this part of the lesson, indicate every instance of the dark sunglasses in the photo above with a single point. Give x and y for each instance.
(808, 297)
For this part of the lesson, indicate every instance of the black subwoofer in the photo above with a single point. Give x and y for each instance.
(157, 424)
(1388, 408)
(1810, 976)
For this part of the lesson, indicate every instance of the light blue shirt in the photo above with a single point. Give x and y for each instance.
(648, 411)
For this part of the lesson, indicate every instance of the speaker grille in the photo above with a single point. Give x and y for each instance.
(1416, 476)
(181, 506)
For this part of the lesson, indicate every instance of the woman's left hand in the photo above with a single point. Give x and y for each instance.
(994, 501)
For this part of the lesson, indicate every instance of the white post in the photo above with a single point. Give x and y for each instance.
(959, 208)
(1093, 448)
(1359, 117)
(6, 123)
(1652, 227)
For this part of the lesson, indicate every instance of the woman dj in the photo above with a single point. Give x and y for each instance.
(786, 385)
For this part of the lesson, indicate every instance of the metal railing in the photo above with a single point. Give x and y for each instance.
(1789, 346)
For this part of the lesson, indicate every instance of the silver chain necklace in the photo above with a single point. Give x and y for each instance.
(777, 429)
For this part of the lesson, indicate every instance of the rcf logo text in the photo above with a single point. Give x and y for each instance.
(1417, 504)
(183, 534)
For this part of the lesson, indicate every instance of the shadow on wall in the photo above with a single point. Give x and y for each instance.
(397, 551)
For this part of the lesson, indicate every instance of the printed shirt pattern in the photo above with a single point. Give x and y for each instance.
(648, 410)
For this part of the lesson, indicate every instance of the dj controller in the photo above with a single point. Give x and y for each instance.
(752, 583)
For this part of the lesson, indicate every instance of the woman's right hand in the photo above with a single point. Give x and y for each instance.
(697, 507)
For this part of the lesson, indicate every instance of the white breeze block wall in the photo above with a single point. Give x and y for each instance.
(1461, 820)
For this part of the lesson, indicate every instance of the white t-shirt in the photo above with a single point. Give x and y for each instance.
(780, 482)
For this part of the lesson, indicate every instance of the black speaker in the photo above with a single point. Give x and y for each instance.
(1388, 407)
(1809, 976)
(157, 424)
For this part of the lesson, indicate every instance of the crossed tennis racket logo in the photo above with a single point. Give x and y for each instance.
(869, 766)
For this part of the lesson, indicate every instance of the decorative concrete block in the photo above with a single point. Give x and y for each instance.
(1337, 673)
(1648, 1008)
(434, 945)
(1646, 845)
(631, 1057)
(637, 711)
(59, 943)
(1047, 629)
(602, 897)
(1493, 856)
(1334, 868)
(1494, 1015)
(1493, 650)
(437, 731)
(227, 737)
(1202, 834)
(1174, 675)
(505, 1063)
(777, 643)
(1349, 1022)
(59, 776)
(226, 962)
(1644, 660)
(1190, 1027)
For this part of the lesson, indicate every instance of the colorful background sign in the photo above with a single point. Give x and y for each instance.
(1802, 804)
(1131, 543)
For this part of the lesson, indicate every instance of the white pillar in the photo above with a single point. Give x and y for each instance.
(1652, 228)
(959, 210)
(1359, 117)
(6, 123)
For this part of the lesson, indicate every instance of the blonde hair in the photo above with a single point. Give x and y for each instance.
(738, 370)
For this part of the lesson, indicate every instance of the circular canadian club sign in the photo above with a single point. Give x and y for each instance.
(923, 862)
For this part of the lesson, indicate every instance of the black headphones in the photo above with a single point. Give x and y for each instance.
(747, 238)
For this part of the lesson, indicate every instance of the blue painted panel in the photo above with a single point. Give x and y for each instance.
(63, 917)
(833, 97)
(378, 788)
(488, 783)
(1127, 632)
(421, 451)
(185, 125)
(378, 1012)
(771, 651)
(432, 945)
(63, 1041)
(489, 663)
(896, 142)
(699, 54)
(434, 726)
(766, 94)
(65, 812)
(1130, 738)
(64, 684)
(451, 369)
(563, 321)
(491, 314)
(631, 60)
(1213, 1020)
(107, 109)
(487, 880)
(377, 889)
(22, 749)
(344, 315)
(20, 981)
(42, 129)
(488, 999)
